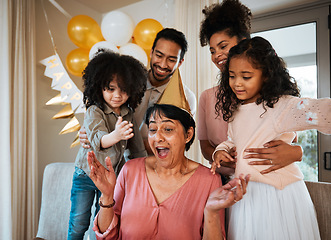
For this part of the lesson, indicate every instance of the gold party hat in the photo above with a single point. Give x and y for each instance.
(174, 93)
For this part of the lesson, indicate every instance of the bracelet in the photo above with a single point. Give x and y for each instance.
(107, 206)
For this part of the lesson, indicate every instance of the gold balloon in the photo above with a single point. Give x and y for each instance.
(84, 31)
(77, 61)
(148, 53)
(145, 32)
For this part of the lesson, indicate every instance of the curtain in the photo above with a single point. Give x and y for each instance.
(18, 121)
(198, 72)
(5, 198)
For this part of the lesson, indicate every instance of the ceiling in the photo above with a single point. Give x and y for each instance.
(256, 6)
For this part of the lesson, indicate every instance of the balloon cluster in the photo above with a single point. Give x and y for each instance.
(117, 33)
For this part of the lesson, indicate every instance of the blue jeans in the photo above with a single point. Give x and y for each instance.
(83, 192)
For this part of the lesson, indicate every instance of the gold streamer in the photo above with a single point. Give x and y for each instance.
(76, 141)
(66, 112)
(72, 126)
(57, 100)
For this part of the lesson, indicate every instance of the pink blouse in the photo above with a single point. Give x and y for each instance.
(138, 216)
(210, 126)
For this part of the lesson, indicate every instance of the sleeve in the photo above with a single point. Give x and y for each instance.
(226, 145)
(217, 182)
(136, 144)
(202, 128)
(298, 114)
(95, 126)
(119, 193)
(191, 99)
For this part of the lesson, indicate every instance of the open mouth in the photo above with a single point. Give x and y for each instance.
(162, 151)
(159, 71)
(221, 62)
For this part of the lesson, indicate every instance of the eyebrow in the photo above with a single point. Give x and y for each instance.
(218, 44)
(241, 71)
(157, 51)
(163, 121)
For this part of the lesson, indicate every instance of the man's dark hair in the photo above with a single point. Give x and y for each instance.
(175, 36)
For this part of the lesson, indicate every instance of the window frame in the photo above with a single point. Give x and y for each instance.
(314, 12)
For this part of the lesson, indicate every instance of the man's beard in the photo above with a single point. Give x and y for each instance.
(157, 78)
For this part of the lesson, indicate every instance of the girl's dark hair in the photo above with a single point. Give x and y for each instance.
(131, 76)
(230, 16)
(277, 80)
(175, 113)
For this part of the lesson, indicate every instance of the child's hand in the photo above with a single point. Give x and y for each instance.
(123, 129)
(220, 156)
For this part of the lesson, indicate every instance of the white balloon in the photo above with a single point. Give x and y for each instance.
(117, 27)
(103, 44)
(135, 51)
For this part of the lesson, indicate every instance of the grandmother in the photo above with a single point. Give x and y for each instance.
(165, 196)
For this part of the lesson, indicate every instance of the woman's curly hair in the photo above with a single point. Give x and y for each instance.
(277, 80)
(230, 16)
(131, 76)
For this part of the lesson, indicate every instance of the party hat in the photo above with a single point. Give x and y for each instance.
(174, 93)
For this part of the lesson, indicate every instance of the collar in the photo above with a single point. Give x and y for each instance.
(124, 110)
(160, 89)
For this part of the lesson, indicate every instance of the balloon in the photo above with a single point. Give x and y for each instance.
(84, 31)
(117, 27)
(102, 44)
(77, 61)
(148, 53)
(145, 32)
(135, 51)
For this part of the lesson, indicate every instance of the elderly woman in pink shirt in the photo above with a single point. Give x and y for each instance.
(165, 196)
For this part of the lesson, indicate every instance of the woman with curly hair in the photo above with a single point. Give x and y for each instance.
(224, 26)
(114, 86)
(260, 100)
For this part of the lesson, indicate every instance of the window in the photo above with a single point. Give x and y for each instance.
(301, 37)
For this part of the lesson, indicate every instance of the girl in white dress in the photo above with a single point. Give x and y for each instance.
(261, 103)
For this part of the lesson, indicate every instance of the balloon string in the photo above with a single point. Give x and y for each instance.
(49, 30)
(55, 4)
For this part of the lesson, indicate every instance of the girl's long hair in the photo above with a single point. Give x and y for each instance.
(277, 80)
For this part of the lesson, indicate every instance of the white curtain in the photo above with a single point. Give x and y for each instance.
(198, 72)
(18, 185)
(5, 198)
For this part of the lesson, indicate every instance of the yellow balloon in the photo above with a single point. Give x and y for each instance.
(84, 31)
(77, 61)
(148, 53)
(145, 32)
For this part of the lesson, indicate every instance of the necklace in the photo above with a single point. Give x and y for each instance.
(182, 173)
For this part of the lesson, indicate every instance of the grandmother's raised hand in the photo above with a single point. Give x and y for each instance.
(103, 178)
(227, 195)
